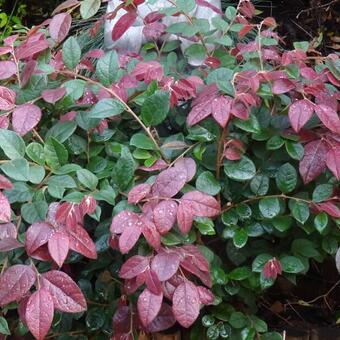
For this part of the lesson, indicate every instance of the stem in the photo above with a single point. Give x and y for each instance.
(220, 146)
(38, 136)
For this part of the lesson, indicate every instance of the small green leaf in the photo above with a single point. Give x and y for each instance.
(229, 218)
(321, 222)
(292, 264)
(35, 151)
(56, 154)
(124, 169)
(242, 170)
(294, 150)
(206, 182)
(260, 261)
(71, 53)
(141, 141)
(259, 185)
(106, 108)
(17, 169)
(269, 207)
(240, 238)
(304, 248)
(286, 178)
(222, 78)
(300, 211)
(88, 8)
(107, 68)
(186, 6)
(87, 178)
(155, 108)
(301, 45)
(4, 326)
(274, 143)
(230, 13)
(36, 174)
(35, 211)
(238, 320)
(322, 192)
(12, 144)
(249, 125)
(282, 223)
(62, 131)
(205, 225)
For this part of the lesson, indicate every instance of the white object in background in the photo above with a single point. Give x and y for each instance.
(133, 39)
(337, 260)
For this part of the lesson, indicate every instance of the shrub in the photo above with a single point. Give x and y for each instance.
(137, 190)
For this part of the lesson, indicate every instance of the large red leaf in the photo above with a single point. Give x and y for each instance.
(186, 304)
(64, 5)
(60, 26)
(199, 112)
(15, 282)
(164, 320)
(329, 117)
(53, 95)
(189, 165)
(58, 247)
(282, 86)
(202, 205)
(150, 233)
(148, 71)
(158, 165)
(165, 216)
(7, 69)
(139, 192)
(66, 295)
(169, 182)
(123, 24)
(196, 256)
(8, 230)
(185, 217)
(7, 98)
(313, 162)
(39, 313)
(35, 44)
(134, 266)
(148, 306)
(299, 113)
(207, 4)
(5, 209)
(189, 265)
(5, 183)
(128, 239)
(9, 243)
(165, 265)
(69, 214)
(27, 72)
(220, 108)
(152, 282)
(25, 117)
(333, 161)
(37, 235)
(330, 208)
(206, 296)
(81, 242)
(123, 220)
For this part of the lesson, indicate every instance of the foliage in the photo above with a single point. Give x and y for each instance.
(136, 190)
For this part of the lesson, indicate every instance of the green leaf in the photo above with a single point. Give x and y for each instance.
(259, 185)
(75, 88)
(205, 225)
(12, 144)
(141, 141)
(71, 53)
(259, 324)
(62, 131)
(259, 262)
(4, 326)
(186, 6)
(271, 336)
(321, 222)
(294, 150)
(304, 248)
(239, 273)
(17, 169)
(243, 211)
(302, 45)
(238, 320)
(240, 238)
(286, 178)
(88, 8)
(250, 125)
(35, 151)
(206, 182)
(36, 174)
(87, 178)
(107, 68)
(124, 169)
(56, 154)
(195, 51)
(274, 143)
(241, 170)
(269, 207)
(35, 211)
(222, 78)
(282, 223)
(330, 245)
(106, 108)
(292, 264)
(322, 192)
(183, 28)
(230, 13)
(155, 108)
(300, 211)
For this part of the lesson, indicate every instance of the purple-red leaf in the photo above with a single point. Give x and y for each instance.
(164, 320)
(58, 247)
(81, 242)
(299, 113)
(123, 24)
(206, 296)
(148, 306)
(37, 235)
(128, 239)
(169, 182)
(64, 5)
(185, 217)
(148, 71)
(7, 69)
(139, 192)
(27, 72)
(165, 265)
(60, 26)
(313, 162)
(282, 86)
(25, 117)
(15, 282)
(7, 98)
(186, 304)
(189, 165)
(330, 208)
(333, 162)
(9, 243)
(152, 282)
(8, 230)
(151, 234)
(221, 107)
(39, 313)
(53, 95)
(123, 220)
(66, 295)
(201, 204)
(34, 44)
(165, 216)
(5, 209)
(5, 183)
(134, 266)
(329, 117)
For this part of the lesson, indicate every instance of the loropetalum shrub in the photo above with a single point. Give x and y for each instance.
(135, 189)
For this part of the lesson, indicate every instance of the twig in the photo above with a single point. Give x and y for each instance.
(315, 7)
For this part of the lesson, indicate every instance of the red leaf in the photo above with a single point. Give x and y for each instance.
(121, 319)
(123, 220)
(207, 4)
(60, 26)
(282, 86)
(134, 266)
(7, 98)
(329, 117)
(169, 182)
(206, 296)
(27, 72)
(5, 50)
(139, 192)
(39, 313)
(37, 235)
(189, 265)
(66, 295)
(123, 24)
(151, 234)
(313, 162)
(165, 265)
(299, 113)
(88, 205)
(128, 239)
(7, 69)
(69, 214)
(199, 112)
(35, 44)
(22, 308)
(148, 71)
(158, 165)
(186, 304)
(53, 95)
(164, 320)
(202, 205)
(8, 230)
(165, 216)
(25, 117)
(333, 161)
(4, 121)
(184, 217)
(330, 208)
(65, 5)
(5, 183)
(189, 165)
(81, 242)
(148, 306)
(58, 247)
(197, 257)
(5, 209)
(152, 282)
(9, 243)
(272, 268)
(15, 282)
(221, 107)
